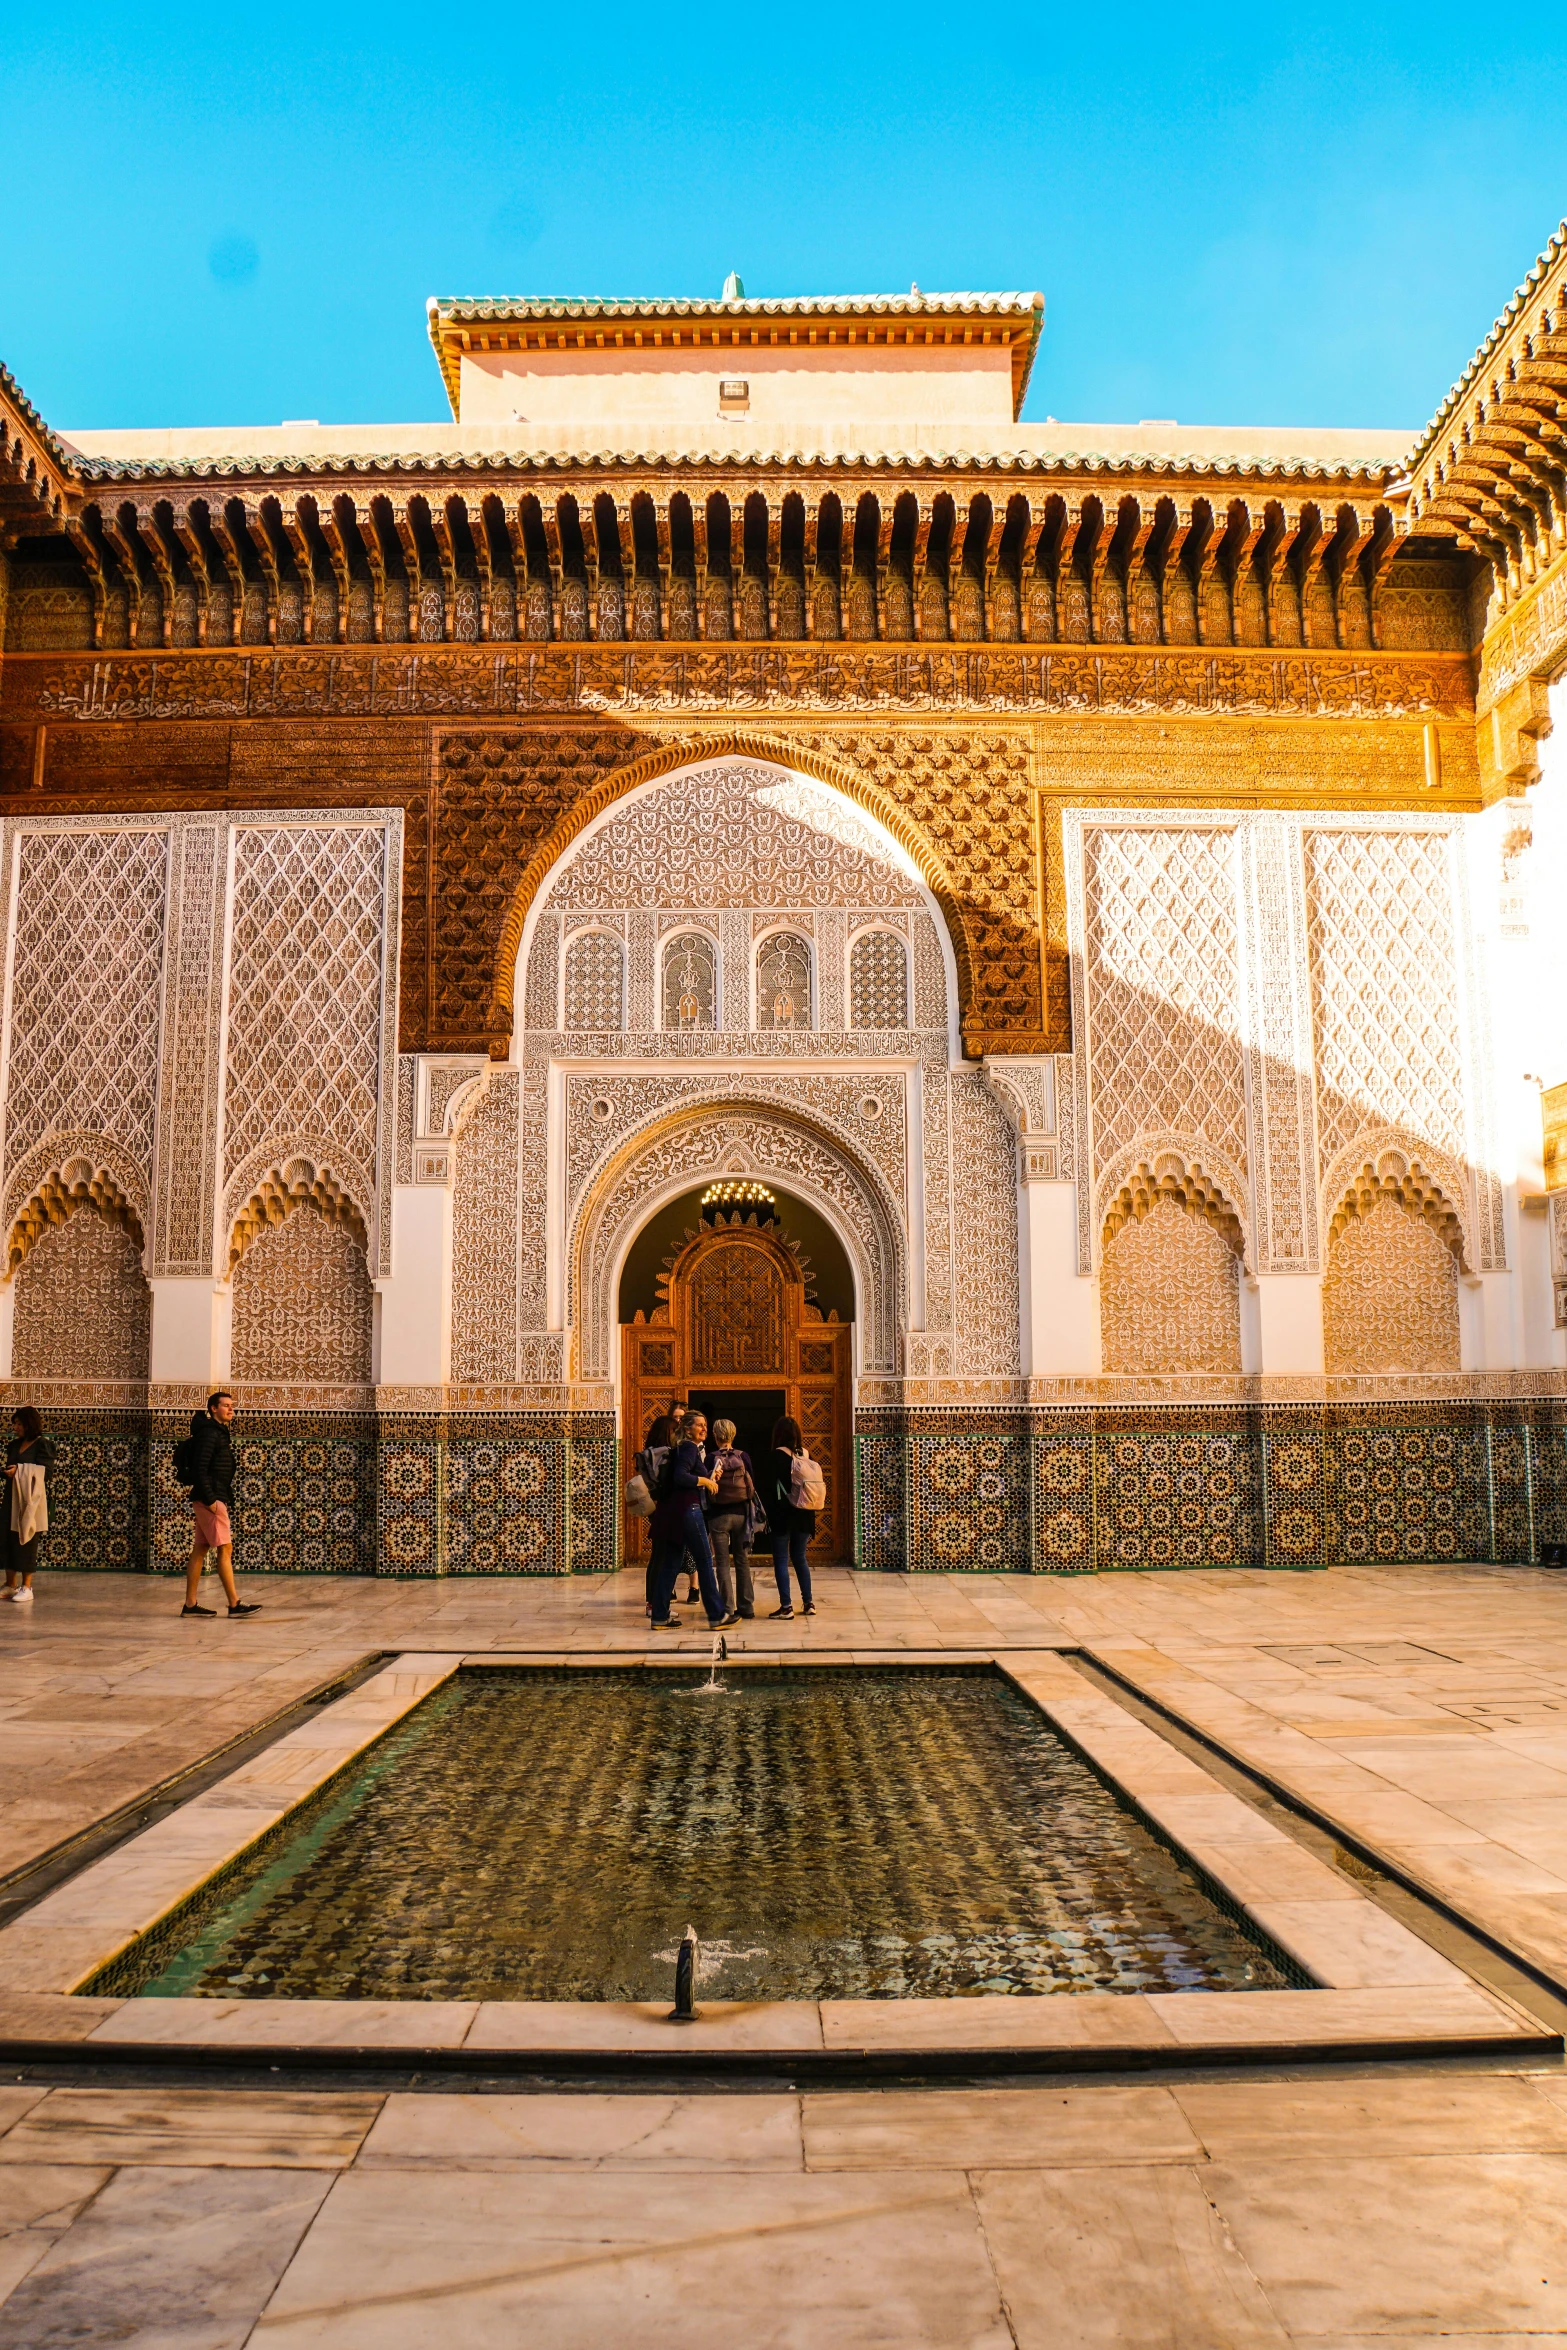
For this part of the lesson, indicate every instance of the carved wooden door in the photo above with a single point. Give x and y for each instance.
(735, 1319)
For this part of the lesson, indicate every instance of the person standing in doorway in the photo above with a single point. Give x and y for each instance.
(212, 1498)
(791, 1525)
(728, 1516)
(677, 1523)
(28, 1459)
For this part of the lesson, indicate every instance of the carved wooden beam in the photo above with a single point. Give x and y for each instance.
(339, 555)
(297, 533)
(123, 548)
(408, 540)
(196, 557)
(97, 587)
(446, 555)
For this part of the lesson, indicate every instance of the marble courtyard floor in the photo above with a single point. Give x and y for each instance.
(1418, 1715)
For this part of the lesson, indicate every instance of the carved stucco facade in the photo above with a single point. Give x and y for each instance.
(907, 1151)
(1276, 1015)
(198, 1014)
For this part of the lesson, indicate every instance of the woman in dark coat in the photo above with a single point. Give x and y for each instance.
(678, 1525)
(649, 1461)
(28, 1445)
(790, 1528)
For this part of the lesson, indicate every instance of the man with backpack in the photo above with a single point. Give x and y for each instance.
(204, 1460)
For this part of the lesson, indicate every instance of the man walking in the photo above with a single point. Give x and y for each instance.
(212, 1495)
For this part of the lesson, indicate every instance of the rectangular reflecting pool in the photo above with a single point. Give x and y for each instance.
(831, 1833)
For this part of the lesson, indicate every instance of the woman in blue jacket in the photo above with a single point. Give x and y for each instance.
(678, 1527)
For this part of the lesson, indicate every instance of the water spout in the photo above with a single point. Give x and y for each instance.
(684, 2010)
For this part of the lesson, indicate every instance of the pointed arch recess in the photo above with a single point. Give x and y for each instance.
(774, 1138)
(698, 752)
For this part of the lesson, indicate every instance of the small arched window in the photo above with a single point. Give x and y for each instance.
(690, 982)
(595, 991)
(783, 982)
(878, 981)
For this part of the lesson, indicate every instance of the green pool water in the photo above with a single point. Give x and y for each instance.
(853, 1833)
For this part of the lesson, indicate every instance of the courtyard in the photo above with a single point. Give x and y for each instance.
(346, 2177)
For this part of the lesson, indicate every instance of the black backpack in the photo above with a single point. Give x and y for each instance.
(185, 1462)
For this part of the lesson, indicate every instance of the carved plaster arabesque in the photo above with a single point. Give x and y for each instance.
(1281, 1099)
(191, 1062)
(489, 1230)
(795, 855)
(71, 1163)
(833, 1101)
(800, 768)
(988, 1326)
(785, 1146)
(82, 1184)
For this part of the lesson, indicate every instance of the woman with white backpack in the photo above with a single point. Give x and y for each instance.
(793, 1489)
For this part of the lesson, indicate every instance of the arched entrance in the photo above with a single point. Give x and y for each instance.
(735, 1332)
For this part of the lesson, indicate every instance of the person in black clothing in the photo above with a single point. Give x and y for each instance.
(212, 1497)
(677, 1525)
(650, 1460)
(789, 1527)
(28, 1444)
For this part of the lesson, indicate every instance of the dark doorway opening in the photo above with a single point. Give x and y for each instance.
(753, 1411)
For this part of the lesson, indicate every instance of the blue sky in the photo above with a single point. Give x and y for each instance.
(1237, 215)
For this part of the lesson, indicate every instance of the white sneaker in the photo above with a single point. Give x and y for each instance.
(22, 1597)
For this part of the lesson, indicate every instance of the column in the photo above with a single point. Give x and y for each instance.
(416, 1296)
(1060, 1306)
(1286, 1325)
(191, 1321)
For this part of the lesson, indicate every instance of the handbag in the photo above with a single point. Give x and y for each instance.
(639, 1502)
(755, 1515)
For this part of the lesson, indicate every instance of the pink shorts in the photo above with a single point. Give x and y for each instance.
(212, 1524)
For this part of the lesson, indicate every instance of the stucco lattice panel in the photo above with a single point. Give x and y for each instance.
(1390, 1295)
(86, 988)
(1384, 993)
(1169, 1295)
(485, 1238)
(1163, 987)
(595, 982)
(878, 981)
(303, 1304)
(736, 834)
(83, 1307)
(305, 988)
(984, 1153)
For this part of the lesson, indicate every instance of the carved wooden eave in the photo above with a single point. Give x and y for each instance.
(900, 550)
(1491, 470)
(37, 473)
